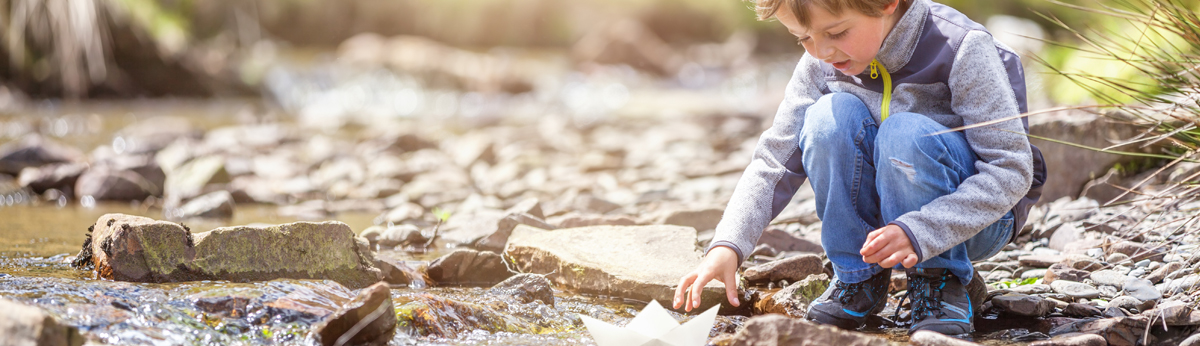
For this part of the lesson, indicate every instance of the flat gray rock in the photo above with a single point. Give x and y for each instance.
(779, 330)
(792, 269)
(1109, 277)
(636, 262)
(1142, 289)
(1075, 289)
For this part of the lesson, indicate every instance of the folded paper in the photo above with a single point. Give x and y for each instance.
(653, 327)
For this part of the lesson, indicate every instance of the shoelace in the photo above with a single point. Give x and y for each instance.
(925, 293)
(849, 290)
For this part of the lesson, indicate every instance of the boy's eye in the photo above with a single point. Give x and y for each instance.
(839, 35)
(802, 40)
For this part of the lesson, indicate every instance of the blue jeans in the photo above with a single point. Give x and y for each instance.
(866, 175)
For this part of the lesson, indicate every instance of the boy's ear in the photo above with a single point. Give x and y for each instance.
(891, 8)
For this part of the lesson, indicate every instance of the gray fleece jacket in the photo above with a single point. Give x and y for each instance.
(942, 65)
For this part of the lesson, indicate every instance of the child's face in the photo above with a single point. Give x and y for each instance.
(848, 41)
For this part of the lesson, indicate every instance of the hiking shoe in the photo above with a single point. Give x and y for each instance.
(847, 305)
(940, 302)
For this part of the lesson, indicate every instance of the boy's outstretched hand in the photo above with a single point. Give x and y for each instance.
(720, 264)
(889, 246)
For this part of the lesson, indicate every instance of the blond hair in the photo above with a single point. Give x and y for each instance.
(873, 8)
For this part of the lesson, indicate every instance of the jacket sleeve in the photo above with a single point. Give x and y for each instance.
(981, 92)
(775, 171)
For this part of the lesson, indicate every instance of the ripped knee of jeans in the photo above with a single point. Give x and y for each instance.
(905, 167)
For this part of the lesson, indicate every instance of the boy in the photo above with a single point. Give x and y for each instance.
(865, 117)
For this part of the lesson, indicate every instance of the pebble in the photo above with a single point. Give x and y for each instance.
(1125, 302)
(1032, 289)
(1142, 289)
(1073, 340)
(1075, 289)
(1137, 273)
(1108, 277)
(1143, 263)
(1033, 273)
(1159, 274)
(1116, 257)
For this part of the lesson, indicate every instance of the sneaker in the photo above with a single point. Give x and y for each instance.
(847, 305)
(940, 302)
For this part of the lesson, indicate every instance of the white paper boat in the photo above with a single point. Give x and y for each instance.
(653, 327)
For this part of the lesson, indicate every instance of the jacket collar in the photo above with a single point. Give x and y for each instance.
(900, 43)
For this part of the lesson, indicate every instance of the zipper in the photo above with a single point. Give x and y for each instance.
(876, 67)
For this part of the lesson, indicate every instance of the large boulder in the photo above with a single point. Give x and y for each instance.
(372, 309)
(21, 324)
(779, 330)
(636, 262)
(134, 248)
(1069, 168)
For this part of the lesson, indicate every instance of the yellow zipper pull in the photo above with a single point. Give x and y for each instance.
(887, 87)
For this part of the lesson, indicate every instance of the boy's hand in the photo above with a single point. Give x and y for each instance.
(889, 246)
(720, 264)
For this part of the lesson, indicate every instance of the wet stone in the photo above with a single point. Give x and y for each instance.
(1023, 305)
(468, 267)
(369, 320)
(779, 330)
(526, 288)
(929, 338)
(790, 269)
(793, 300)
(1073, 340)
(1075, 289)
(22, 324)
(395, 235)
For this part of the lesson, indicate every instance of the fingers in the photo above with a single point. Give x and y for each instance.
(910, 260)
(888, 250)
(892, 261)
(731, 292)
(696, 289)
(682, 289)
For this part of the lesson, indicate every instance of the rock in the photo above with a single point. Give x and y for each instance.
(496, 240)
(793, 300)
(1037, 273)
(700, 219)
(1159, 274)
(372, 306)
(1126, 302)
(998, 275)
(468, 267)
(1193, 340)
(1081, 310)
(1065, 235)
(928, 338)
(1116, 258)
(1062, 271)
(1075, 289)
(22, 324)
(133, 248)
(406, 212)
(1073, 340)
(34, 151)
(398, 235)
(1040, 261)
(779, 330)
(590, 203)
(1032, 289)
(215, 205)
(526, 288)
(791, 269)
(193, 178)
(783, 241)
(531, 206)
(1108, 277)
(573, 219)
(1118, 331)
(61, 176)
(142, 165)
(613, 260)
(106, 184)
(469, 227)
(1142, 289)
(1183, 284)
(153, 134)
(1175, 313)
(1136, 251)
(1023, 305)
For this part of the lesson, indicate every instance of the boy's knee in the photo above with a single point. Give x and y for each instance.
(834, 115)
(908, 132)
